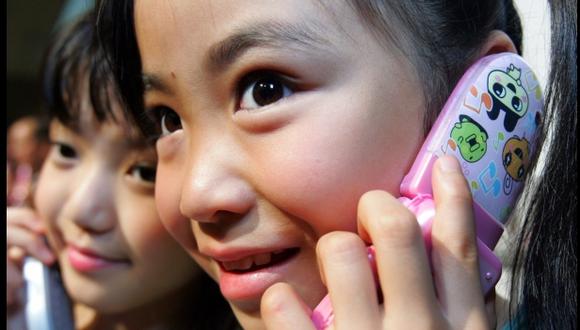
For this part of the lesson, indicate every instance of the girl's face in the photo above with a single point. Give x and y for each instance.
(276, 116)
(96, 193)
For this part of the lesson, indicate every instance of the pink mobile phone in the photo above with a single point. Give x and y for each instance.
(489, 123)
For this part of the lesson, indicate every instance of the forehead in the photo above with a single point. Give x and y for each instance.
(118, 131)
(195, 26)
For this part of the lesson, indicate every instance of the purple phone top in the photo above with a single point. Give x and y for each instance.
(489, 124)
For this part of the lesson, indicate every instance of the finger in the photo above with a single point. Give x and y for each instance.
(24, 217)
(14, 281)
(281, 308)
(349, 279)
(32, 243)
(402, 263)
(454, 253)
(490, 309)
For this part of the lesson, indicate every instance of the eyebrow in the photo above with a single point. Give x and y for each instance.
(152, 81)
(301, 37)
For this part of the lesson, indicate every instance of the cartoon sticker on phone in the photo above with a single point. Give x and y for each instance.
(516, 160)
(470, 138)
(508, 95)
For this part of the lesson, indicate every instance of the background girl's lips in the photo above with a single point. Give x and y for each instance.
(87, 261)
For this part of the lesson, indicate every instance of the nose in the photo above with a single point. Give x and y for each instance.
(91, 205)
(214, 186)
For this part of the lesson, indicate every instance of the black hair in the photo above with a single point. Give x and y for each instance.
(74, 64)
(545, 263)
(450, 34)
(116, 33)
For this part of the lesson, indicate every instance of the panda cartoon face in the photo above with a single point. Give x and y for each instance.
(508, 95)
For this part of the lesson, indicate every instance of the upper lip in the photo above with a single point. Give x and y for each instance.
(238, 253)
(93, 253)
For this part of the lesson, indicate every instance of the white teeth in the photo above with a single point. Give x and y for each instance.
(262, 259)
(246, 263)
(241, 264)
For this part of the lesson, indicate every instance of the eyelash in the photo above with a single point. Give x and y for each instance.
(261, 78)
(139, 172)
(159, 114)
(65, 151)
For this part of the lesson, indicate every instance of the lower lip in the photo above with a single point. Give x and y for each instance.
(83, 262)
(244, 286)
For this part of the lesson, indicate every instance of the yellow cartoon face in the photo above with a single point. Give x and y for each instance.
(516, 157)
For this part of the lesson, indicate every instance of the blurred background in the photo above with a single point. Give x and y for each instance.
(29, 26)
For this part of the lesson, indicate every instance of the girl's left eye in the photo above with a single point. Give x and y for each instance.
(263, 89)
(143, 173)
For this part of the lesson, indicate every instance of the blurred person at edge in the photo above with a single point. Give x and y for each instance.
(27, 147)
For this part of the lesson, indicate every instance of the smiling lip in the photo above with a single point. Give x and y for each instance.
(85, 260)
(249, 275)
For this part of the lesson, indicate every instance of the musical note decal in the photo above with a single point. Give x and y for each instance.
(472, 102)
(488, 180)
(500, 137)
(450, 144)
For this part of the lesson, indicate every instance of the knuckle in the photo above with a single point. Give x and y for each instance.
(462, 247)
(400, 227)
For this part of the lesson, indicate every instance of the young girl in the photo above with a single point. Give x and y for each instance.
(95, 204)
(285, 129)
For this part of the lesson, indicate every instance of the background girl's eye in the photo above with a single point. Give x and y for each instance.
(170, 121)
(143, 173)
(263, 90)
(65, 150)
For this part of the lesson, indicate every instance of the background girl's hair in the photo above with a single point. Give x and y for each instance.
(74, 65)
(545, 263)
(116, 33)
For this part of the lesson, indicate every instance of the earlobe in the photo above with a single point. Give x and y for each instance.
(497, 42)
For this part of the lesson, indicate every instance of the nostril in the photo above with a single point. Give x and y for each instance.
(221, 223)
(225, 200)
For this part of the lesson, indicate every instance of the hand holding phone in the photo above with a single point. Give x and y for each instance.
(37, 299)
(48, 306)
(489, 123)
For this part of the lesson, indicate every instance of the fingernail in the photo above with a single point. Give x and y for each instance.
(449, 164)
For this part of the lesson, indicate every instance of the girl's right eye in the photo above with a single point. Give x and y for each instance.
(63, 154)
(168, 119)
(65, 151)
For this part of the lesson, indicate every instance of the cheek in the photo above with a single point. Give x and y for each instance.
(318, 170)
(49, 198)
(150, 245)
(167, 198)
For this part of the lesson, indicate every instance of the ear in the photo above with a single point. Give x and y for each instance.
(497, 42)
